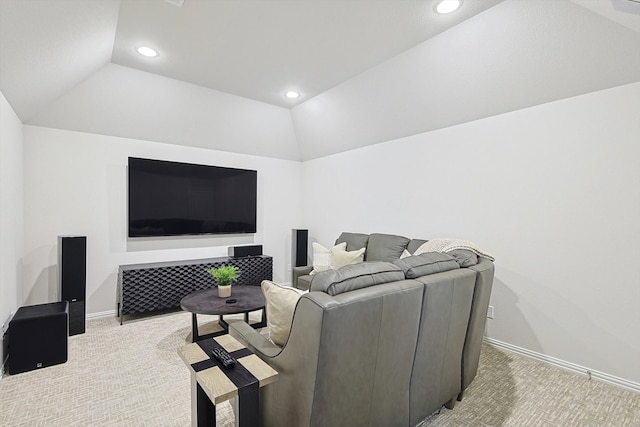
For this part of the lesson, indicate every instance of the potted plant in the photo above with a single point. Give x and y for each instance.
(225, 276)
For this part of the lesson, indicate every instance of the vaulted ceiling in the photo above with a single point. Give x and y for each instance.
(368, 71)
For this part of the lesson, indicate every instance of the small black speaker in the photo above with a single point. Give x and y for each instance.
(299, 247)
(245, 251)
(72, 277)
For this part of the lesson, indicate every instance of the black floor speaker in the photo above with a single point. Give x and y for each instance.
(299, 247)
(72, 277)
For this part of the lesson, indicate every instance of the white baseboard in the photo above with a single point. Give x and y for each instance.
(108, 313)
(588, 372)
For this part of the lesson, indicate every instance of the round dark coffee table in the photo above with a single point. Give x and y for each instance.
(248, 298)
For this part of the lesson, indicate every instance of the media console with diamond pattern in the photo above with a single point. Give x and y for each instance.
(144, 288)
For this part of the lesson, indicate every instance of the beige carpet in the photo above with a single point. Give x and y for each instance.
(131, 375)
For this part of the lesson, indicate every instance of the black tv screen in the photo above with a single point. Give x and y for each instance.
(173, 199)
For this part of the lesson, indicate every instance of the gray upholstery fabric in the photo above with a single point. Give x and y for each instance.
(256, 341)
(443, 324)
(415, 244)
(354, 241)
(356, 276)
(475, 330)
(464, 258)
(347, 362)
(426, 263)
(385, 247)
(304, 282)
(300, 277)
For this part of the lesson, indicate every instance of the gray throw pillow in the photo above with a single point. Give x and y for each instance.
(426, 263)
(356, 276)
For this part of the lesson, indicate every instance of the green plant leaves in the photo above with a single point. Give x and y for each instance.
(224, 275)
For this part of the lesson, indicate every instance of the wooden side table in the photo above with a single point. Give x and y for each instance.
(212, 384)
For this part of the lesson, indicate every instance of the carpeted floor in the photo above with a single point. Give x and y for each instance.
(131, 375)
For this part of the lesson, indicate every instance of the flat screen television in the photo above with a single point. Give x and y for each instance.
(175, 199)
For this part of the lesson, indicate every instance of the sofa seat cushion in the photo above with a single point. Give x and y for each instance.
(356, 276)
(426, 263)
(280, 303)
(385, 247)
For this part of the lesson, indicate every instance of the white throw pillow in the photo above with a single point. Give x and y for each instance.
(339, 257)
(322, 256)
(405, 254)
(280, 304)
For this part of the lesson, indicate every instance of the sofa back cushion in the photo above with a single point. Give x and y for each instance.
(354, 241)
(426, 263)
(356, 276)
(385, 247)
(415, 244)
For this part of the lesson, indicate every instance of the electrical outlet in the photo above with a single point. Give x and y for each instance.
(288, 267)
(490, 312)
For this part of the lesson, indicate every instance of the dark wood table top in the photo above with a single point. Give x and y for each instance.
(248, 298)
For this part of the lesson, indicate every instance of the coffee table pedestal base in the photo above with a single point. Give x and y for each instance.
(195, 335)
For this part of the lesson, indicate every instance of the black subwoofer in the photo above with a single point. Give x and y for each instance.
(37, 337)
(72, 277)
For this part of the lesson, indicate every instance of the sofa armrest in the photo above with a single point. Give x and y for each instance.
(300, 271)
(253, 340)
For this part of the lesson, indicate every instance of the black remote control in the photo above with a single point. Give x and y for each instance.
(224, 357)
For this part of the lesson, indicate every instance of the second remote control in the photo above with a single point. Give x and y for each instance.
(224, 357)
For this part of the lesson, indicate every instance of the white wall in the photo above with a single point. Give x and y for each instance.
(551, 191)
(515, 55)
(75, 183)
(11, 210)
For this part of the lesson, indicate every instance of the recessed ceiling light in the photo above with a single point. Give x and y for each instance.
(147, 51)
(292, 94)
(448, 6)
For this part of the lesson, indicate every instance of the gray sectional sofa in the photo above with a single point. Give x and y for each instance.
(385, 342)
